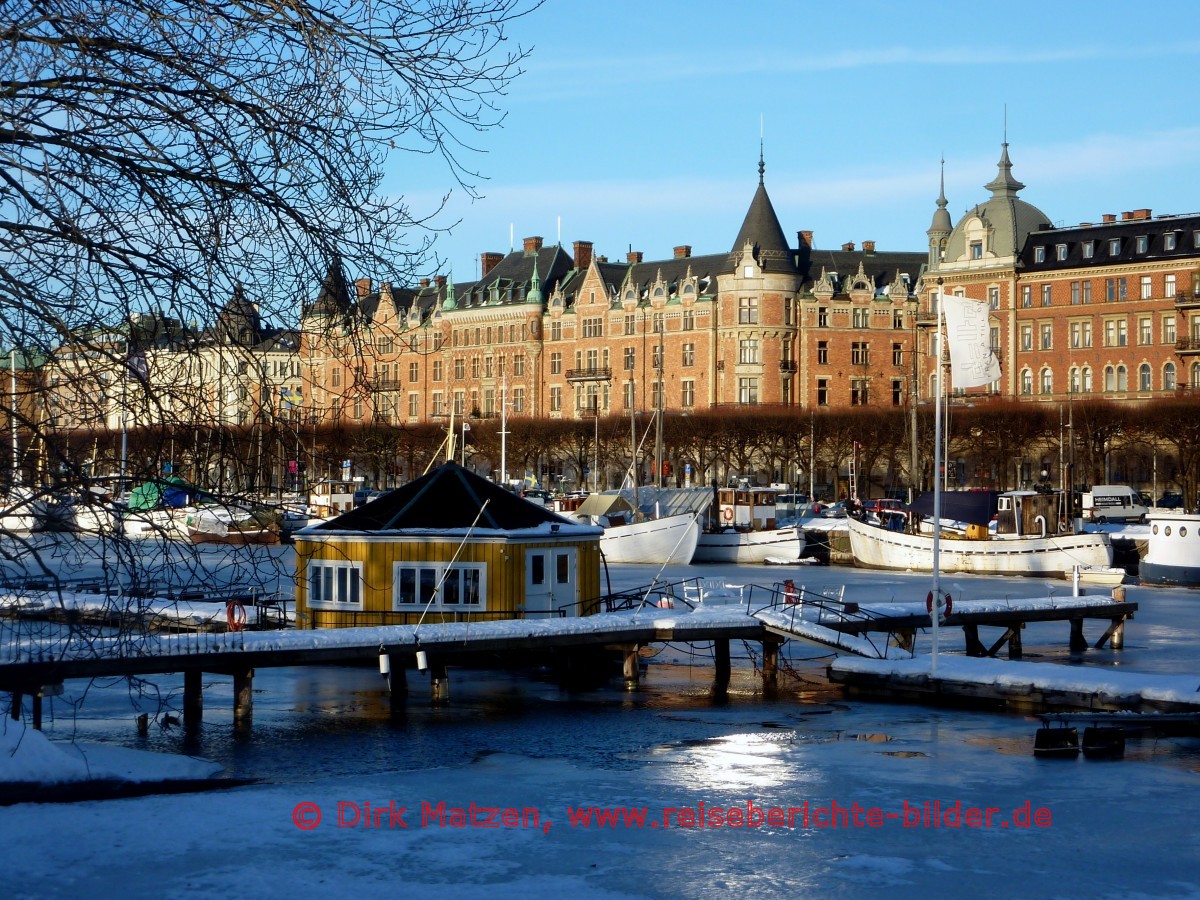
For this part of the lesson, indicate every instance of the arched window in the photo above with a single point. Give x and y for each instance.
(1073, 380)
(1026, 382)
(1144, 377)
(1194, 375)
(1122, 379)
(1087, 379)
(1047, 380)
(1110, 379)
(1169, 377)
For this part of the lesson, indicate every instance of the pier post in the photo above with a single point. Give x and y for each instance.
(631, 667)
(193, 699)
(397, 683)
(1117, 638)
(36, 697)
(974, 645)
(15, 709)
(243, 698)
(1015, 650)
(770, 664)
(1078, 641)
(721, 665)
(439, 681)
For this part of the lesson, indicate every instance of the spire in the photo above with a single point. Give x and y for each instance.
(535, 285)
(761, 229)
(941, 224)
(450, 302)
(762, 166)
(1004, 185)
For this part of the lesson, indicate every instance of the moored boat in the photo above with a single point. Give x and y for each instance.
(631, 537)
(745, 529)
(1029, 541)
(1172, 551)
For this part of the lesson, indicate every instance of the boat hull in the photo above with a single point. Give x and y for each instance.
(879, 548)
(667, 541)
(743, 547)
(1173, 551)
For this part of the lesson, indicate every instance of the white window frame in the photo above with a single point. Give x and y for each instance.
(438, 581)
(335, 584)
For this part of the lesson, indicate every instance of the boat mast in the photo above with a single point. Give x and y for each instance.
(12, 416)
(935, 606)
(633, 449)
(658, 415)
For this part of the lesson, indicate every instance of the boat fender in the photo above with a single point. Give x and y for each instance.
(235, 615)
(929, 603)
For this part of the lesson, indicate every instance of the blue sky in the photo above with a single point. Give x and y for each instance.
(637, 124)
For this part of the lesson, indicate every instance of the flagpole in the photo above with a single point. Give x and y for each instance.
(934, 607)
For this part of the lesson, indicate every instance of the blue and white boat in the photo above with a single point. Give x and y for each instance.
(1173, 551)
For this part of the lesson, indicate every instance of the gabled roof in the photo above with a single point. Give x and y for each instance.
(449, 498)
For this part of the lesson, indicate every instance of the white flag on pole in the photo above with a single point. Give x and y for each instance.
(972, 362)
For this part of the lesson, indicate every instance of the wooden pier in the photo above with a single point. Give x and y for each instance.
(769, 616)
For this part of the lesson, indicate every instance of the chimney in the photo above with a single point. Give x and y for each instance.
(633, 257)
(364, 286)
(488, 261)
(532, 245)
(1108, 218)
(1126, 216)
(848, 246)
(806, 239)
(868, 247)
(1141, 213)
(583, 254)
(424, 282)
(683, 251)
(439, 280)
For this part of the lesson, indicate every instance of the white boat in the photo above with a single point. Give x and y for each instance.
(1105, 575)
(83, 513)
(1173, 550)
(746, 530)
(21, 509)
(1026, 543)
(630, 537)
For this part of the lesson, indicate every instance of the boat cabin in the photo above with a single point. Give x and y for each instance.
(1030, 514)
(328, 498)
(745, 508)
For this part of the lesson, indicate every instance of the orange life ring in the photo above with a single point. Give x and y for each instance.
(929, 603)
(790, 594)
(235, 615)
(727, 513)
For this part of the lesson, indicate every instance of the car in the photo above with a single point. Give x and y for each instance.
(881, 504)
(1170, 500)
(834, 510)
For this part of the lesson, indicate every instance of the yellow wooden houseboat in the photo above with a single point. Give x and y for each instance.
(450, 546)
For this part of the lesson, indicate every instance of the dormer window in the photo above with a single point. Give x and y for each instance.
(1089, 249)
(748, 272)
(1039, 254)
(1114, 247)
(1169, 240)
(1143, 243)
(1061, 252)
(976, 249)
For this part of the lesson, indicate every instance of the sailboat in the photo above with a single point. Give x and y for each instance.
(1031, 536)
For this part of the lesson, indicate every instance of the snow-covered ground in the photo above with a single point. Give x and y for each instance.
(866, 775)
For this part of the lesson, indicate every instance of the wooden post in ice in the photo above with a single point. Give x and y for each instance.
(243, 698)
(770, 663)
(631, 667)
(439, 681)
(721, 665)
(397, 682)
(193, 698)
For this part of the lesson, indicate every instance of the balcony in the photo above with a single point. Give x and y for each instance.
(788, 365)
(926, 318)
(1184, 300)
(390, 384)
(1187, 346)
(590, 374)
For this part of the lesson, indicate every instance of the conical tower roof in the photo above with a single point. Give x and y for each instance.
(761, 229)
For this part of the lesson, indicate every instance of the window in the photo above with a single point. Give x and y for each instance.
(460, 369)
(334, 585)
(861, 318)
(897, 392)
(1047, 380)
(1026, 382)
(1196, 239)
(630, 356)
(556, 399)
(1060, 252)
(629, 397)
(487, 367)
(593, 327)
(1114, 247)
(1026, 337)
(460, 403)
(897, 319)
(994, 297)
(860, 353)
(1089, 249)
(414, 405)
(1074, 293)
(1047, 295)
(1026, 296)
(748, 311)
(1145, 288)
(1169, 328)
(822, 353)
(976, 249)
(1115, 333)
(1047, 335)
(1169, 377)
(748, 351)
(556, 363)
(437, 370)
(822, 317)
(789, 311)
(556, 331)
(656, 400)
(1087, 379)
(687, 393)
(336, 379)
(659, 323)
(897, 354)
(689, 355)
(1142, 243)
(438, 404)
(1076, 335)
(1145, 330)
(519, 364)
(822, 392)
(1039, 254)
(475, 364)
(1114, 289)
(439, 586)
(689, 320)
(518, 400)
(1122, 381)
(1169, 286)
(656, 359)
(859, 395)
(1144, 377)
(748, 391)
(1169, 240)
(1073, 381)
(1087, 292)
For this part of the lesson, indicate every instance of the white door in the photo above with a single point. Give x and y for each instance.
(537, 583)
(564, 584)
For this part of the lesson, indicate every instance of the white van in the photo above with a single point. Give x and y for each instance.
(1113, 503)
